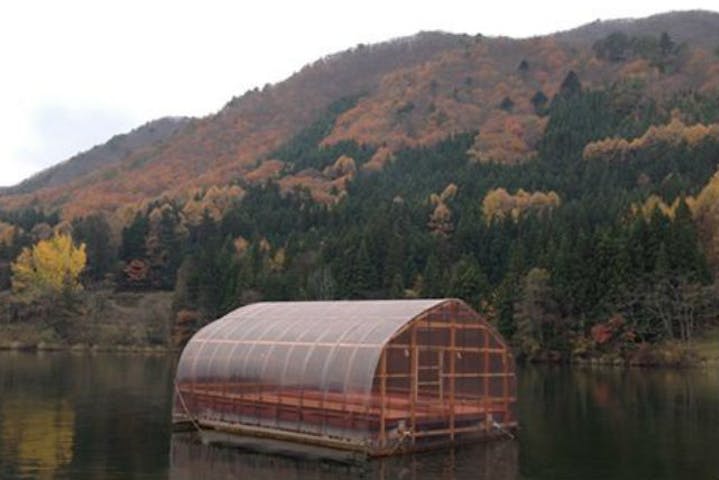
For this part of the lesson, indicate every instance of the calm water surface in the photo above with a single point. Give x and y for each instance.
(66, 416)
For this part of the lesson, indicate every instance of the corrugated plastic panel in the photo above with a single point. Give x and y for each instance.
(327, 348)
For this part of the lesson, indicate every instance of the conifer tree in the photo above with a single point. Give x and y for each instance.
(94, 232)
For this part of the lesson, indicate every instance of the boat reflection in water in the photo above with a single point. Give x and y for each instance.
(191, 459)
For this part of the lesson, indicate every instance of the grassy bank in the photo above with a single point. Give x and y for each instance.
(707, 346)
(141, 322)
(704, 350)
(106, 320)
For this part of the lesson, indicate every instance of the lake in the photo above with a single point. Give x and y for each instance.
(107, 416)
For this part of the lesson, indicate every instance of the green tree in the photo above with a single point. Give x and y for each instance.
(536, 313)
(363, 272)
(666, 44)
(571, 86)
(164, 247)
(94, 232)
(133, 239)
(432, 278)
(539, 102)
(467, 281)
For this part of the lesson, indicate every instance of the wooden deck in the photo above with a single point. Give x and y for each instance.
(317, 407)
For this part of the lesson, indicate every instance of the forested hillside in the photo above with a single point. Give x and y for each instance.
(566, 186)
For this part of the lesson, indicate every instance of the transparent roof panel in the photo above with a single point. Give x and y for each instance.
(328, 346)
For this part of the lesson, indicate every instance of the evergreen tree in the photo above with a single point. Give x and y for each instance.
(164, 246)
(467, 281)
(94, 232)
(133, 239)
(571, 86)
(507, 291)
(396, 289)
(361, 285)
(539, 102)
(683, 243)
(432, 278)
(535, 313)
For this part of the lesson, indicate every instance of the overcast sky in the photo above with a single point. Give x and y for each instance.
(74, 72)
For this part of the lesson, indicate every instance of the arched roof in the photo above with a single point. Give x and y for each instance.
(326, 345)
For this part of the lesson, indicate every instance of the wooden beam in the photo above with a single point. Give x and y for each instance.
(440, 373)
(505, 387)
(396, 375)
(487, 369)
(481, 375)
(383, 398)
(457, 326)
(487, 365)
(457, 375)
(451, 431)
(452, 373)
(460, 349)
(414, 363)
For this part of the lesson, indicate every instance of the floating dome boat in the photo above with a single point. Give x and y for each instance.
(375, 378)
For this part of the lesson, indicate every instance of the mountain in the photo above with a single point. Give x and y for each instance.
(119, 147)
(566, 186)
(696, 27)
(408, 92)
(229, 143)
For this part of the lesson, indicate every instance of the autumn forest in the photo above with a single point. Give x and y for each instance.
(565, 186)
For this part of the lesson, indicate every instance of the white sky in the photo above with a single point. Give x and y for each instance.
(74, 72)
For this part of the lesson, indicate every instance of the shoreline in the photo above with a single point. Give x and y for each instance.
(42, 347)
(595, 362)
(622, 363)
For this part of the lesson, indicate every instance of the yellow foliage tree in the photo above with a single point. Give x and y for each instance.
(7, 233)
(215, 201)
(344, 166)
(382, 156)
(706, 214)
(449, 192)
(499, 203)
(673, 133)
(50, 267)
(655, 201)
(440, 220)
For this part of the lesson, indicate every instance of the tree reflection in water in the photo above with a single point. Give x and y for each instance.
(107, 417)
(191, 459)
